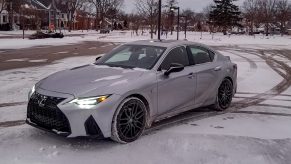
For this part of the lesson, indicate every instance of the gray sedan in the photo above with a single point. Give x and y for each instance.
(131, 87)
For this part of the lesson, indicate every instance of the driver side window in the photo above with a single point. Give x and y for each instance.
(178, 56)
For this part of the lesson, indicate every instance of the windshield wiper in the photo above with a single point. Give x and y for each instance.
(116, 65)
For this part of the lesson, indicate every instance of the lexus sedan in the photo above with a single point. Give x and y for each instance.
(129, 88)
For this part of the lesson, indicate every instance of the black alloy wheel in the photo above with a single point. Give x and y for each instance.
(225, 93)
(130, 121)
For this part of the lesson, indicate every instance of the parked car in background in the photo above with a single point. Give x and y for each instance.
(42, 35)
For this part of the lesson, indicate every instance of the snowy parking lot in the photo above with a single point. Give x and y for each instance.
(255, 130)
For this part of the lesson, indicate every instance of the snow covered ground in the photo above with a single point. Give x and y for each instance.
(256, 134)
(126, 36)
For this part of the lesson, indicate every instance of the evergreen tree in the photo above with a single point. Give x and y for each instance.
(225, 15)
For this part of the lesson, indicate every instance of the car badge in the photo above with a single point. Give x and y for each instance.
(41, 101)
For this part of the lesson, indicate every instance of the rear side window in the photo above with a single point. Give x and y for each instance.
(178, 55)
(200, 55)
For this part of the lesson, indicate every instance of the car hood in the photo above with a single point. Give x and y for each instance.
(90, 78)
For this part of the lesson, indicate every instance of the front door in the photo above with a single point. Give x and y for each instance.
(176, 91)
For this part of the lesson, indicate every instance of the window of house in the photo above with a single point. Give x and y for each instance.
(4, 18)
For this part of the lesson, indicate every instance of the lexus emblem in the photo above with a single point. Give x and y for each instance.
(41, 101)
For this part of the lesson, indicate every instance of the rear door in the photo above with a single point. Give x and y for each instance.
(207, 72)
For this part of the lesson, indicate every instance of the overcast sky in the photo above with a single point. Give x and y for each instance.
(196, 5)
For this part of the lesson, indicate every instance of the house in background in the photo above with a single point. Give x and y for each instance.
(56, 12)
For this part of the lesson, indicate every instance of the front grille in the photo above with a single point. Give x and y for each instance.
(43, 111)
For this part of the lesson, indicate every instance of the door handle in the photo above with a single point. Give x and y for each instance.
(191, 75)
(217, 68)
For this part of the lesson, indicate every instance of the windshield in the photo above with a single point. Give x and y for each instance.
(132, 56)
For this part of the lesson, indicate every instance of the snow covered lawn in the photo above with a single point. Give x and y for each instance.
(257, 134)
(127, 36)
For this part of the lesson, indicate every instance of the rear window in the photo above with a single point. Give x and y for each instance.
(200, 55)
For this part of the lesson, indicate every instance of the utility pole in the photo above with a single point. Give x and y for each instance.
(178, 20)
(159, 19)
(22, 23)
(178, 26)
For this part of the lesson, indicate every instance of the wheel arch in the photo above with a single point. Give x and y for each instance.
(146, 103)
(229, 78)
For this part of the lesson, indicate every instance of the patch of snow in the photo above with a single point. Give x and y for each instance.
(17, 60)
(108, 78)
(247, 77)
(127, 36)
(247, 125)
(38, 61)
(13, 113)
(119, 82)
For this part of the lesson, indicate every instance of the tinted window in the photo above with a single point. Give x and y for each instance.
(199, 55)
(132, 56)
(177, 55)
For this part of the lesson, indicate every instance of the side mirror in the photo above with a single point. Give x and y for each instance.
(174, 67)
(97, 58)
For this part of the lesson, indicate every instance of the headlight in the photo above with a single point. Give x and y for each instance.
(88, 103)
(31, 92)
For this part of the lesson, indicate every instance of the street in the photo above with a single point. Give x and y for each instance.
(43, 55)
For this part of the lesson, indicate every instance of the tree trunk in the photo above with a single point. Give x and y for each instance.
(282, 27)
(267, 29)
(224, 31)
(102, 19)
(152, 31)
(96, 22)
(71, 21)
(252, 28)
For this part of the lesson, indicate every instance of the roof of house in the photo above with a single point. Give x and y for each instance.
(61, 5)
(41, 4)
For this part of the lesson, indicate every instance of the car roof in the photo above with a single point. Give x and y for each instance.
(164, 43)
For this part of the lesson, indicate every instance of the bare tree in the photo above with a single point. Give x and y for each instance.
(189, 17)
(73, 6)
(13, 6)
(103, 7)
(134, 23)
(148, 10)
(250, 8)
(283, 14)
(206, 12)
(266, 13)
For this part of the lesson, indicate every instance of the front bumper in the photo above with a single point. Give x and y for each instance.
(69, 120)
(29, 122)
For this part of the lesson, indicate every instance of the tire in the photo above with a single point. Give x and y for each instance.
(224, 96)
(129, 121)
